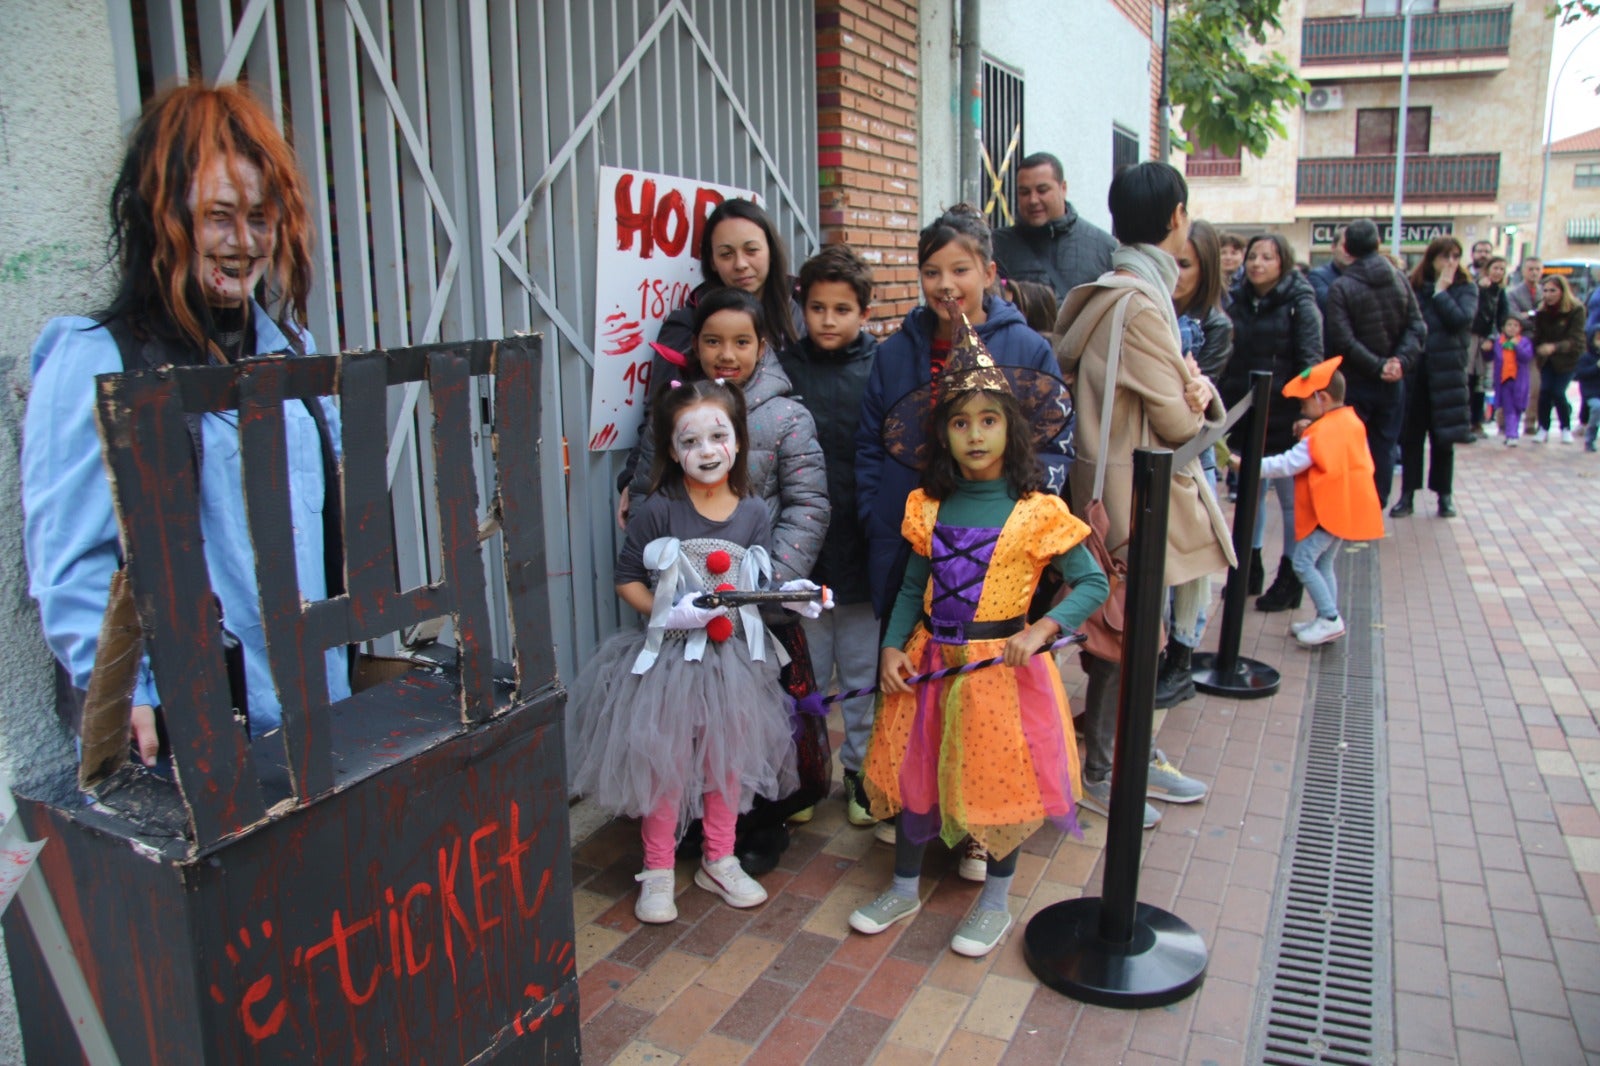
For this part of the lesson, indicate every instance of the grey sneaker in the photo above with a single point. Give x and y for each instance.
(883, 912)
(980, 932)
(1167, 784)
(1097, 798)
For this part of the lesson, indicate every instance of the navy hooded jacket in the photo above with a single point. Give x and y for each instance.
(883, 483)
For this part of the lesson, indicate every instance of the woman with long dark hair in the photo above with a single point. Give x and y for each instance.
(1438, 400)
(209, 230)
(1558, 340)
(1276, 327)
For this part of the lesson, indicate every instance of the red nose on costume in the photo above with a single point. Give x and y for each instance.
(718, 562)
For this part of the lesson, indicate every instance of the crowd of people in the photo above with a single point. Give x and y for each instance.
(919, 513)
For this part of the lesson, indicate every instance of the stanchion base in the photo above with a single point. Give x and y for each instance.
(1165, 961)
(1250, 680)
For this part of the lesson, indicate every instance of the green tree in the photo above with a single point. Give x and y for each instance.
(1573, 10)
(1230, 101)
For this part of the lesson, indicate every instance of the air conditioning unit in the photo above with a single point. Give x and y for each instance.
(1325, 98)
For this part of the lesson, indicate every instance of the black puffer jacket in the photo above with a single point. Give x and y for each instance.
(830, 385)
(1442, 371)
(1280, 331)
(1373, 315)
(1063, 253)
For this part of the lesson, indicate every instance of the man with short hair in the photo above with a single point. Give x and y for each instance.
(1050, 243)
(1373, 321)
(1323, 276)
(1481, 251)
(1524, 298)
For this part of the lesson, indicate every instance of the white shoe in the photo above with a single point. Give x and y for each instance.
(655, 905)
(1539, 436)
(727, 879)
(1512, 442)
(1566, 436)
(1296, 628)
(884, 832)
(974, 865)
(1321, 631)
(1490, 429)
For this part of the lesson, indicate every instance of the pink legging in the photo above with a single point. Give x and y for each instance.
(660, 830)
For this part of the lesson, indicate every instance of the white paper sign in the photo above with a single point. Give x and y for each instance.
(647, 263)
(16, 859)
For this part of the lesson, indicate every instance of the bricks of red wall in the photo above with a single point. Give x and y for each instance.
(867, 142)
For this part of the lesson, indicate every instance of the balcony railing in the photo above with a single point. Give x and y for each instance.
(1211, 168)
(1370, 179)
(1484, 31)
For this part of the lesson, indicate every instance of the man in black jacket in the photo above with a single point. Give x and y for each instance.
(1374, 322)
(1050, 243)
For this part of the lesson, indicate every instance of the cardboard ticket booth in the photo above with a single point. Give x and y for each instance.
(385, 879)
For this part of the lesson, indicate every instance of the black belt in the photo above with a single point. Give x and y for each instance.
(963, 632)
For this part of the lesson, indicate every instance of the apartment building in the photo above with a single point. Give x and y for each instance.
(1572, 199)
(1478, 73)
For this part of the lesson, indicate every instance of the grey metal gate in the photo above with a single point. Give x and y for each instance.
(453, 185)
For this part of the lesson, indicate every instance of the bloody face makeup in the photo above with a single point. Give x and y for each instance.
(704, 444)
(233, 233)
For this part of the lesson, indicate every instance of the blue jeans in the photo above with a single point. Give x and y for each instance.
(1284, 487)
(1313, 560)
(1589, 434)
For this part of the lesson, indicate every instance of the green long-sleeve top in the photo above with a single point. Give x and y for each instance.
(989, 505)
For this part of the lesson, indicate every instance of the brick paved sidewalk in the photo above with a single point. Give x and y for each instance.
(1494, 760)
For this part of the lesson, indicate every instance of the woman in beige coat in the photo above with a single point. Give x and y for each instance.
(1160, 401)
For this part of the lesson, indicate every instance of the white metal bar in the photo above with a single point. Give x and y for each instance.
(344, 113)
(381, 112)
(239, 40)
(125, 53)
(421, 266)
(169, 59)
(262, 64)
(480, 114)
(305, 89)
(214, 19)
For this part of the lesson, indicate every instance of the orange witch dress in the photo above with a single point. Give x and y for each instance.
(989, 753)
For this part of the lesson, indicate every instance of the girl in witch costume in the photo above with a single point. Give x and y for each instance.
(991, 753)
(686, 719)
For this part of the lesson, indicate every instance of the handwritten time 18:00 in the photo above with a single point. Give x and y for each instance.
(658, 298)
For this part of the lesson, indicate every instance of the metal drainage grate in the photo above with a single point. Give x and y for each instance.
(1329, 998)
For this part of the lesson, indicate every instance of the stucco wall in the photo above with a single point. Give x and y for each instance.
(1069, 107)
(59, 146)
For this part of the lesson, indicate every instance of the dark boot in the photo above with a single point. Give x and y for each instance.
(1175, 682)
(1447, 506)
(1402, 506)
(1257, 573)
(1285, 592)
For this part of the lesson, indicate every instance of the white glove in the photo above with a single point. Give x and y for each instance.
(807, 608)
(685, 615)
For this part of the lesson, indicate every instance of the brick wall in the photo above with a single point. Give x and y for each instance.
(1140, 13)
(867, 142)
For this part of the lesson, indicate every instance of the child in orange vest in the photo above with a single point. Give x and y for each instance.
(1334, 495)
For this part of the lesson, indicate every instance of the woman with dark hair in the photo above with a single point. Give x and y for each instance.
(1158, 399)
(1493, 309)
(1207, 336)
(1438, 400)
(1276, 327)
(1558, 340)
(740, 249)
(209, 226)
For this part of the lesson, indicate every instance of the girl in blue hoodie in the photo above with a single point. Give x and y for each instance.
(955, 258)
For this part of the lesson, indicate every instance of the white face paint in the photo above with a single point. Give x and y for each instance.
(704, 444)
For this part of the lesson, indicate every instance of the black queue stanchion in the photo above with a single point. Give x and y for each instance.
(1113, 950)
(1226, 673)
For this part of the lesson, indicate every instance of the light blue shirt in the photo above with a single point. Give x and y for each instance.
(70, 526)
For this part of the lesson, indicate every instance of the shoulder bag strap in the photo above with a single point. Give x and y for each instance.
(1113, 358)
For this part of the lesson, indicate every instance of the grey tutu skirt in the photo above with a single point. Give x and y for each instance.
(680, 729)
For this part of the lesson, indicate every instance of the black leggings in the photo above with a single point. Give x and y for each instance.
(908, 857)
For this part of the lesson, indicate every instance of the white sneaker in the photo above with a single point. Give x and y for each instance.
(1490, 429)
(1539, 436)
(884, 832)
(1512, 442)
(655, 905)
(1321, 631)
(974, 865)
(727, 879)
(1566, 436)
(1296, 628)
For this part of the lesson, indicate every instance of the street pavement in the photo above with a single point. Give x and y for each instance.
(1487, 628)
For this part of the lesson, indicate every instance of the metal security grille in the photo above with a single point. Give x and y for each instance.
(1124, 148)
(1002, 141)
(452, 150)
(1329, 998)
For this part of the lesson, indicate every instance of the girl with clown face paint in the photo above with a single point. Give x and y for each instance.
(687, 719)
